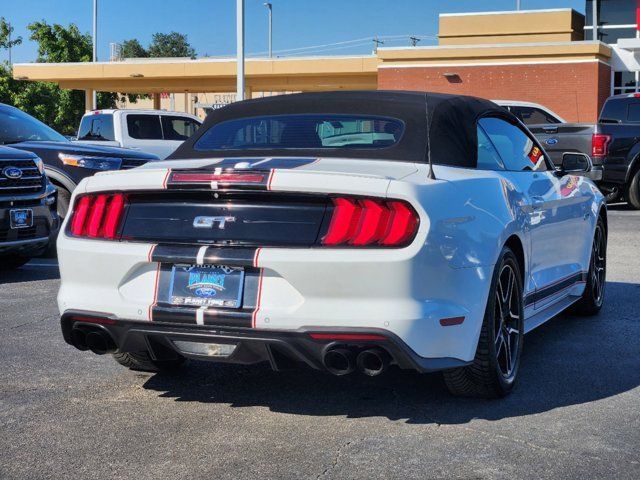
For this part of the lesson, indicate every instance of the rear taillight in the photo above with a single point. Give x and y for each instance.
(371, 222)
(600, 145)
(98, 216)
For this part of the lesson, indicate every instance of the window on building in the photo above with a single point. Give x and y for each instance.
(144, 127)
(517, 150)
(626, 82)
(611, 12)
(616, 20)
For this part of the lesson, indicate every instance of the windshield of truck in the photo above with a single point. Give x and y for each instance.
(96, 127)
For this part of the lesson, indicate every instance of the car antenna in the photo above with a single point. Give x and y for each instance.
(431, 175)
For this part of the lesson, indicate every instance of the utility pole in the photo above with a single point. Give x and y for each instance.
(376, 43)
(95, 47)
(270, 8)
(414, 41)
(240, 50)
(594, 19)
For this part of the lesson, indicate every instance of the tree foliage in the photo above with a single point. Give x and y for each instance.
(6, 30)
(172, 44)
(58, 108)
(133, 49)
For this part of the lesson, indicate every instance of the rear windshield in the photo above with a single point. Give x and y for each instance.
(313, 131)
(96, 127)
(533, 115)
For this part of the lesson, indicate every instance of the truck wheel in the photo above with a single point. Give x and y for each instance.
(633, 194)
(593, 296)
(10, 263)
(495, 367)
(613, 197)
(143, 362)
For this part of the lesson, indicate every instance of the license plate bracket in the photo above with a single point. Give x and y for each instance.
(21, 218)
(206, 286)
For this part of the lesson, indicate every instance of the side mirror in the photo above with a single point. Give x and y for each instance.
(575, 163)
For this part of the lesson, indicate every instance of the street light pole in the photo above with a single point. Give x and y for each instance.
(240, 50)
(270, 8)
(95, 47)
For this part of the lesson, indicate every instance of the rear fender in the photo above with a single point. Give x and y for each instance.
(634, 162)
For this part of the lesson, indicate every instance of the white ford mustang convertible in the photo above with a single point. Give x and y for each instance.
(348, 231)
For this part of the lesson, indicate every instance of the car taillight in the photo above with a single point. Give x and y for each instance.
(600, 144)
(370, 222)
(98, 216)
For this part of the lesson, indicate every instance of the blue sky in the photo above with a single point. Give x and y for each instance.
(210, 24)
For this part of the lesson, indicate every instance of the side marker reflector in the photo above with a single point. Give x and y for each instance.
(449, 322)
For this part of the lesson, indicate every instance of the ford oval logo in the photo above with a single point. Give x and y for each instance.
(12, 173)
(551, 141)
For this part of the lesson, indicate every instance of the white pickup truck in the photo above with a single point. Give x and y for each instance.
(152, 131)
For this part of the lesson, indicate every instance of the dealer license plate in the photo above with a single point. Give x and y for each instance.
(207, 286)
(22, 218)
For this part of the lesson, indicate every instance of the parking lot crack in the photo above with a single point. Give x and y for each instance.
(336, 459)
(32, 322)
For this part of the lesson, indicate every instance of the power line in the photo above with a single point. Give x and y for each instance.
(347, 43)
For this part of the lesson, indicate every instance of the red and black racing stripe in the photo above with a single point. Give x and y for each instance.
(167, 256)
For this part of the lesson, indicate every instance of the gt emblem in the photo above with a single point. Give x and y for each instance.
(209, 222)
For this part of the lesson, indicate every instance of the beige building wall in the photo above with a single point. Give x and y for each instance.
(525, 26)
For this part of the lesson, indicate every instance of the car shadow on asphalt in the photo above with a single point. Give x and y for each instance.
(570, 360)
(29, 273)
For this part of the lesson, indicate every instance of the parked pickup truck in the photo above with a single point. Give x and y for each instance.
(153, 131)
(613, 144)
(65, 163)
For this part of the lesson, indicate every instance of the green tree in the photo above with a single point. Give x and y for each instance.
(58, 108)
(172, 44)
(133, 49)
(6, 42)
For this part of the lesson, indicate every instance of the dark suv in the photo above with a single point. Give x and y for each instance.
(28, 218)
(65, 162)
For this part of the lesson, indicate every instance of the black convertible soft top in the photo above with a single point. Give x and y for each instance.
(436, 124)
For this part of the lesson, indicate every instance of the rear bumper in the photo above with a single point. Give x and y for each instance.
(281, 348)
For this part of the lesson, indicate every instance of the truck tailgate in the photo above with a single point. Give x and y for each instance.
(559, 138)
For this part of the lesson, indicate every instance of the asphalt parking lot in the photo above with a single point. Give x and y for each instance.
(71, 414)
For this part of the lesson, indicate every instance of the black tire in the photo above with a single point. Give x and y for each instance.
(494, 370)
(142, 361)
(613, 197)
(64, 199)
(633, 192)
(11, 263)
(593, 297)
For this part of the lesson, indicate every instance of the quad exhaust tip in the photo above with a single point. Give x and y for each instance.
(343, 361)
(96, 340)
(340, 361)
(373, 362)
